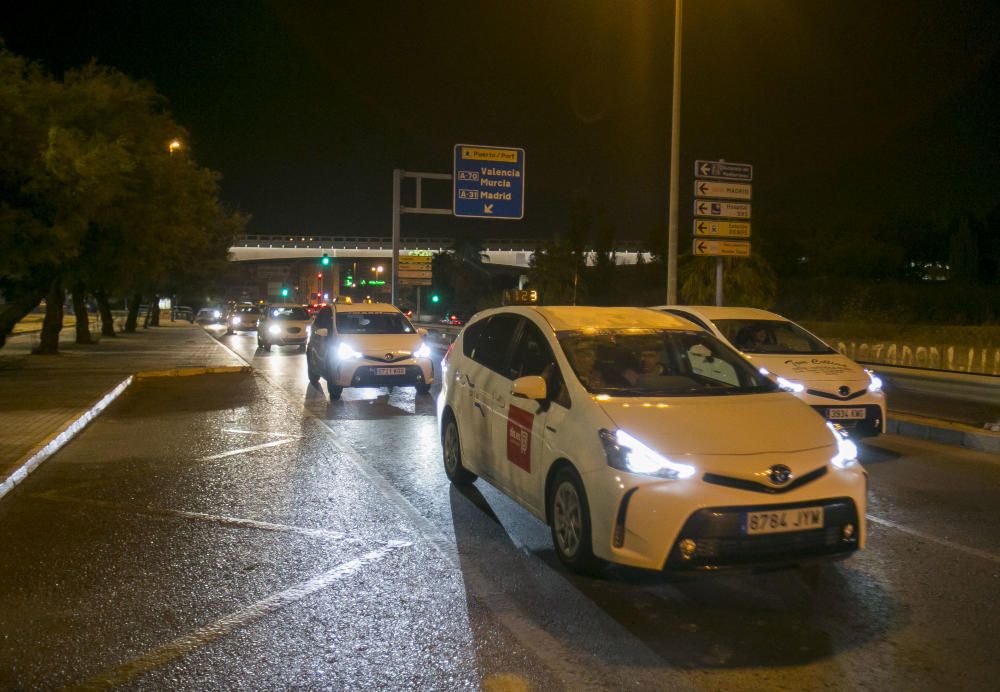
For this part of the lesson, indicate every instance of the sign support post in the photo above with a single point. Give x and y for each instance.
(397, 209)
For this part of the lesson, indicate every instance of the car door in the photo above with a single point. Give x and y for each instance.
(526, 427)
(317, 347)
(488, 387)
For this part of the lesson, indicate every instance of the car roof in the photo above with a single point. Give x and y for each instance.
(364, 307)
(716, 312)
(577, 317)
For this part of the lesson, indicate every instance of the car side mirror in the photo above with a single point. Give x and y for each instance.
(530, 387)
(321, 332)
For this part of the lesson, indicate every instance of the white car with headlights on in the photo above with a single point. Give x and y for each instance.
(283, 325)
(643, 440)
(367, 345)
(839, 389)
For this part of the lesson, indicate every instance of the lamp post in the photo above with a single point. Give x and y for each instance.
(174, 146)
(675, 158)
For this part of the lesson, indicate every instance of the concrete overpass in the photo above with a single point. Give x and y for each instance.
(511, 253)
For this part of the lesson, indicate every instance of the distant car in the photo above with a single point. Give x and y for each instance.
(646, 441)
(182, 312)
(367, 345)
(243, 319)
(835, 386)
(454, 319)
(283, 325)
(209, 316)
(313, 308)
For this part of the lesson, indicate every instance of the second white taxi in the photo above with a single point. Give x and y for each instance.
(283, 325)
(835, 386)
(644, 441)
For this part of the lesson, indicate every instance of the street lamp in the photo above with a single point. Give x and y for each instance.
(174, 146)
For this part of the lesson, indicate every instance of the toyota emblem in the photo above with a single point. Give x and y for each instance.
(844, 390)
(388, 357)
(779, 474)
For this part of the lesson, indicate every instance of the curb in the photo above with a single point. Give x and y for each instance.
(57, 440)
(943, 432)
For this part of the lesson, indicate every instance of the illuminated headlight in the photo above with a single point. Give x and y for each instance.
(237, 320)
(345, 352)
(847, 451)
(274, 329)
(216, 314)
(422, 352)
(875, 385)
(626, 453)
(790, 386)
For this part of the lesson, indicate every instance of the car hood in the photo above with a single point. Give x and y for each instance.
(379, 345)
(832, 367)
(721, 425)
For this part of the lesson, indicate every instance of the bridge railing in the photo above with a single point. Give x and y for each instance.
(380, 242)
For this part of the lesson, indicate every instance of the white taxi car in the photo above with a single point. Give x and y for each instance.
(283, 325)
(645, 441)
(367, 345)
(834, 385)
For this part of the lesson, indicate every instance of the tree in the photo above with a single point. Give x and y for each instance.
(748, 281)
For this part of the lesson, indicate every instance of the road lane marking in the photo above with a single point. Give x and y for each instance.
(258, 432)
(234, 452)
(225, 625)
(934, 539)
(325, 534)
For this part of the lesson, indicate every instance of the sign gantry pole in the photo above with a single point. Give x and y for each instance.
(397, 175)
(675, 160)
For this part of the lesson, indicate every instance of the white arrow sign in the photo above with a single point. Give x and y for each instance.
(487, 208)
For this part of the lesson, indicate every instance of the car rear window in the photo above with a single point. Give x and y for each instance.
(288, 314)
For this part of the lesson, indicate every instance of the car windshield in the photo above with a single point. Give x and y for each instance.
(249, 311)
(657, 362)
(771, 336)
(372, 323)
(294, 313)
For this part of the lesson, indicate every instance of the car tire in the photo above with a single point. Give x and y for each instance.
(570, 523)
(335, 392)
(302, 348)
(452, 454)
(266, 346)
(423, 389)
(229, 331)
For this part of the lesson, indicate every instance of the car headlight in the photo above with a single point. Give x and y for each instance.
(875, 384)
(273, 329)
(790, 386)
(422, 352)
(216, 314)
(626, 453)
(237, 320)
(345, 352)
(847, 451)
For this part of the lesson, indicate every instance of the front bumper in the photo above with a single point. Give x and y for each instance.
(404, 373)
(640, 522)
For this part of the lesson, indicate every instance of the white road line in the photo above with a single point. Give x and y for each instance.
(258, 432)
(223, 626)
(325, 534)
(933, 539)
(247, 449)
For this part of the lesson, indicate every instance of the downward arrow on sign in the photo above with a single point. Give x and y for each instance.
(487, 208)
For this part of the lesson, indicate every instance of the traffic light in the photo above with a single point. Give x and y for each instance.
(319, 275)
(326, 260)
(284, 292)
(435, 298)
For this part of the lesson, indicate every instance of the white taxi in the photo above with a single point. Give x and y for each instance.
(283, 325)
(839, 389)
(644, 441)
(367, 345)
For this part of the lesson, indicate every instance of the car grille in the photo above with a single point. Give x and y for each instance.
(838, 397)
(743, 484)
(721, 543)
(294, 330)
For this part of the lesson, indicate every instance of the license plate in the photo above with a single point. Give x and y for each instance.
(783, 520)
(390, 371)
(846, 414)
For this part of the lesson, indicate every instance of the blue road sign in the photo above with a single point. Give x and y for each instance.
(723, 170)
(488, 182)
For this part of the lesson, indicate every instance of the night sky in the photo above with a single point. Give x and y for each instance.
(849, 111)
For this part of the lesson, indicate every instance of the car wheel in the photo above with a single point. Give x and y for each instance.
(228, 331)
(335, 392)
(266, 346)
(570, 515)
(452, 449)
(302, 348)
(423, 389)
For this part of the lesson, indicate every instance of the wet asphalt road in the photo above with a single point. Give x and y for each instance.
(244, 532)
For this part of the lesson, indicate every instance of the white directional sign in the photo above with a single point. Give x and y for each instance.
(710, 188)
(723, 170)
(721, 248)
(721, 229)
(728, 210)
